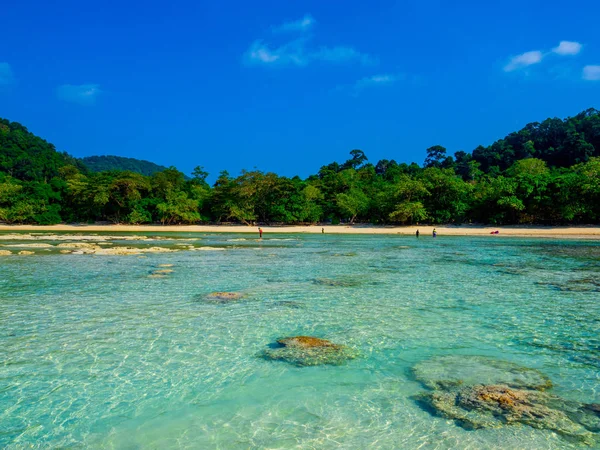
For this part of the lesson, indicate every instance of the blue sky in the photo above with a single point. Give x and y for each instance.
(291, 86)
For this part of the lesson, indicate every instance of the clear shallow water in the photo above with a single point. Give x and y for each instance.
(94, 354)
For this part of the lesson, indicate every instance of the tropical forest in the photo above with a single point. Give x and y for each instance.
(546, 173)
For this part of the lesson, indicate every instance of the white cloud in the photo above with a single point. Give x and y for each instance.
(84, 94)
(290, 54)
(298, 52)
(261, 53)
(524, 60)
(567, 48)
(304, 24)
(376, 80)
(373, 81)
(6, 74)
(591, 73)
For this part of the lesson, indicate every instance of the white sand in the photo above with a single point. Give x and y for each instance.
(579, 232)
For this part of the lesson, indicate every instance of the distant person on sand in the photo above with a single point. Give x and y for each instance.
(434, 233)
(417, 233)
(323, 230)
(260, 232)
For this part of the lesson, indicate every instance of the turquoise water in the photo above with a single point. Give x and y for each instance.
(95, 354)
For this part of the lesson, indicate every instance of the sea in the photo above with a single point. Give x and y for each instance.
(137, 352)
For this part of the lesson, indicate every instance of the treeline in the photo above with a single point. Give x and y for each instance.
(110, 162)
(547, 172)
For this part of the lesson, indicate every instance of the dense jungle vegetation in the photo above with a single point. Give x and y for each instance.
(547, 173)
(110, 162)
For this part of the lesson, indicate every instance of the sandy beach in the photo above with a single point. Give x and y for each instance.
(574, 232)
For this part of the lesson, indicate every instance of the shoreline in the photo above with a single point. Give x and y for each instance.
(574, 232)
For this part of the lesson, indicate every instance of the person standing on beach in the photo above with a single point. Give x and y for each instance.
(260, 232)
(322, 230)
(417, 233)
(434, 233)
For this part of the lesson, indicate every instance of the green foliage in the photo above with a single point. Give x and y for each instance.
(548, 172)
(27, 157)
(560, 143)
(352, 203)
(120, 163)
(436, 155)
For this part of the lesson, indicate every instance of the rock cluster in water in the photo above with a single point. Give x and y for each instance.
(444, 372)
(309, 351)
(479, 392)
(160, 272)
(577, 285)
(224, 297)
(92, 244)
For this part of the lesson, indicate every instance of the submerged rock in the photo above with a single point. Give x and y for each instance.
(165, 265)
(336, 282)
(288, 304)
(305, 342)
(224, 297)
(78, 245)
(158, 250)
(26, 252)
(162, 271)
(578, 285)
(594, 407)
(125, 251)
(445, 372)
(308, 351)
(5, 252)
(492, 406)
(31, 245)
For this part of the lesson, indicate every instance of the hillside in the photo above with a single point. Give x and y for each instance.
(111, 162)
(28, 157)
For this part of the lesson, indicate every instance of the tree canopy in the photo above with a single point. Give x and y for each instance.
(109, 162)
(547, 172)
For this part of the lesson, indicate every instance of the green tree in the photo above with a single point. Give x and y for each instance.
(352, 203)
(435, 156)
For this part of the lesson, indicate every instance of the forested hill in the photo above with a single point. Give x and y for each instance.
(547, 172)
(109, 162)
(560, 143)
(28, 157)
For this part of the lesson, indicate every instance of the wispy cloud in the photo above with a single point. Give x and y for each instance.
(304, 24)
(292, 53)
(567, 48)
(373, 81)
(591, 73)
(524, 60)
(83, 94)
(299, 52)
(376, 80)
(6, 74)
